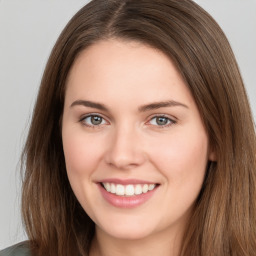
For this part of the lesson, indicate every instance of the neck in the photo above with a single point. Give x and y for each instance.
(164, 244)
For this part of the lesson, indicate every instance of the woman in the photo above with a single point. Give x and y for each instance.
(142, 139)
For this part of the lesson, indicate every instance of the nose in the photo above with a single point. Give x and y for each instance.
(125, 149)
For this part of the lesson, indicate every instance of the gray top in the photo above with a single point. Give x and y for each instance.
(20, 249)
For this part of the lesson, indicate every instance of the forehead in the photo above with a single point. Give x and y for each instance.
(126, 70)
(122, 55)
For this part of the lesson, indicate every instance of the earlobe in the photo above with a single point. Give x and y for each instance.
(212, 155)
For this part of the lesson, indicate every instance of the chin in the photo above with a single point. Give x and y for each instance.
(129, 233)
(128, 228)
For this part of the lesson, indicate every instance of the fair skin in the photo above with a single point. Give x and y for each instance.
(130, 120)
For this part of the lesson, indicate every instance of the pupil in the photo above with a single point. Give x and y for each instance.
(96, 120)
(161, 120)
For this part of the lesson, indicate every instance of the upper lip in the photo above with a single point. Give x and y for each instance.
(126, 181)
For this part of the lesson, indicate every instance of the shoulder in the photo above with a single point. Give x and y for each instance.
(21, 249)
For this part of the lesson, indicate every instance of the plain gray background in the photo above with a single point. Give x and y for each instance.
(28, 31)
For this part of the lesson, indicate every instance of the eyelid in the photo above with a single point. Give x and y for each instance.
(170, 118)
(83, 117)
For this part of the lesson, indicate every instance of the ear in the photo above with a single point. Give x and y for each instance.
(212, 155)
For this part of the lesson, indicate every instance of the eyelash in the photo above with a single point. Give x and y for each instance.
(169, 120)
(82, 120)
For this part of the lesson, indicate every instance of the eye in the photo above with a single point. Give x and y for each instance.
(161, 121)
(93, 120)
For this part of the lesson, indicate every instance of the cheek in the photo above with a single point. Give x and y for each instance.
(182, 157)
(82, 154)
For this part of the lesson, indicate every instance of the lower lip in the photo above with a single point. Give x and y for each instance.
(126, 201)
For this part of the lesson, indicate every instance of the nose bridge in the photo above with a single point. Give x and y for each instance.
(125, 147)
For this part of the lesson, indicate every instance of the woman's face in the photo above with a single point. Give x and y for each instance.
(131, 125)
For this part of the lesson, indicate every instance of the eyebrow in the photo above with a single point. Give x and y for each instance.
(144, 108)
(90, 104)
(162, 104)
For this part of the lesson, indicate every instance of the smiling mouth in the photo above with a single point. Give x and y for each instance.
(129, 189)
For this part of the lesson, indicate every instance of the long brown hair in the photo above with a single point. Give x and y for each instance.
(224, 220)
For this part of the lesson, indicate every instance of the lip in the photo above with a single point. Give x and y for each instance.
(126, 201)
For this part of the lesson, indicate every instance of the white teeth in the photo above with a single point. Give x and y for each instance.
(145, 188)
(120, 190)
(107, 187)
(138, 189)
(113, 188)
(128, 190)
(151, 186)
